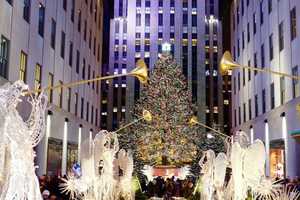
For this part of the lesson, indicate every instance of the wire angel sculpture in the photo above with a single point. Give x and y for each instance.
(100, 179)
(17, 140)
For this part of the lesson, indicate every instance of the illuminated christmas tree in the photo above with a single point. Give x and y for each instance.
(168, 139)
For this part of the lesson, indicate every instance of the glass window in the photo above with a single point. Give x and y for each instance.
(281, 37)
(172, 3)
(37, 76)
(26, 10)
(71, 54)
(41, 20)
(254, 23)
(53, 33)
(256, 105)
(185, 18)
(272, 95)
(262, 53)
(65, 4)
(76, 103)
(147, 19)
(261, 12)
(77, 61)
(172, 19)
(50, 85)
(194, 20)
(148, 3)
(270, 6)
(138, 19)
(263, 101)
(282, 90)
(69, 99)
(194, 3)
(79, 21)
(296, 88)
(271, 49)
(160, 19)
(72, 10)
(293, 21)
(62, 44)
(23, 66)
(160, 3)
(138, 3)
(4, 54)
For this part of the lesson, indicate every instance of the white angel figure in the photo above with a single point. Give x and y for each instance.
(97, 158)
(125, 169)
(248, 167)
(214, 170)
(18, 138)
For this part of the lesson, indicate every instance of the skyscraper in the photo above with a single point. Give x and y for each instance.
(265, 35)
(47, 43)
(140, 28)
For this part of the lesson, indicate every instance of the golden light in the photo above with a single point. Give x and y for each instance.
(147, 116)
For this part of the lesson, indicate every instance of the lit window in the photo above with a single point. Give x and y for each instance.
(37, 76)
(23, 66)
(50, 85)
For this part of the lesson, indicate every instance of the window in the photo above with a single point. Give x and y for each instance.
(72, 10)
(84, 30)
(293, 21)
(60, 95)
(247, 2)
(184, 3)
(272, 95)
(160, 3)
(255, 62)
(23, 66)
(194, 3)
(26, 10)
(172, 19)
(256, 105)
(120, 8)
(261, 12)
(92, 115)
(90, 39)
(242, 5)
(87, 111)
(244, 77)
(138, 19)
(244, 113)
(281, 37)
(254, 24)
(53, 33)
(69, 99)
(172, 3)
(250, 109)
(71, 54)
(237, 15)
(147, 3)
(83, 69)
(77, 61)
(76, 104)
(238, 47)
(4, 54)
(50, 85)
(243, 40)
(296, 88)
(249, 71)
(94, 47)
(41, 20)
(248, 32)
(271, 48)
(147, 19)
(79, 21)
(37, 76)
(138, 3)
(89, 73)
(239, 81)
(270, 6)
(62, 44)
(65, 4)
(234, 85)
(194, 20)
(262, 53)
(82, 108)
(263, 101)
(160, 19)
(240, 116)
(185, 18)
(10, 2)
(282, 90)
(235, 118)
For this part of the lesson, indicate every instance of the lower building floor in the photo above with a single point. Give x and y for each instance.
(279, 129)
(60, 147)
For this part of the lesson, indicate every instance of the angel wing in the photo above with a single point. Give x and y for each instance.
(220, 166)
(239, 187)
(87, 159)
(254, 163)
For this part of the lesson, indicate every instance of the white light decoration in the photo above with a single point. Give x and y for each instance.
(166, 47)
(251, 135)
(210, 136)
(79, 143)
(285, 138)
(65, 149)
(267, 144)
(17, 139)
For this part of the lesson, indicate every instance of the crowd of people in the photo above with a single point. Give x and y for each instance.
(170, 187)
(50, 188)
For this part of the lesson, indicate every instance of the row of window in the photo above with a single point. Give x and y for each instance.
(282, 90)
(161, 3)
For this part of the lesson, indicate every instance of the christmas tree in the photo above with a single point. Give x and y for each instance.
(168, 139)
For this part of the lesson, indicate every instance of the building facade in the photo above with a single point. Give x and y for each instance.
(265, 34)
(140, 28)
(46, 43)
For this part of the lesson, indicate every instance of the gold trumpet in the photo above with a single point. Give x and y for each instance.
(140, 72)
(146, 115)
(194, 121)
(227, 63)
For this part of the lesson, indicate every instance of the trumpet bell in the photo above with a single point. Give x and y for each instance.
(147, 116)
(141, 71)
(193, 121)
(227, 63)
